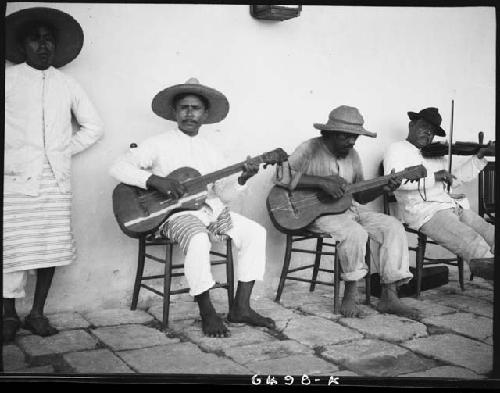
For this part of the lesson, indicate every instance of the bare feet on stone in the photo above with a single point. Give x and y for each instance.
(349, 307)
(213, 326)
(391, 304)
(250, 317)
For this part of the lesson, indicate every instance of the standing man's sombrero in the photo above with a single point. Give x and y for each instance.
(69, 34)
(218, 105)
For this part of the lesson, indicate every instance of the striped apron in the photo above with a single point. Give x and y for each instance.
(183, 227)
(37, 229)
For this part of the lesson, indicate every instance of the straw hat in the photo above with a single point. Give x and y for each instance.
(345, 119)
(163, 106)
(69, 39)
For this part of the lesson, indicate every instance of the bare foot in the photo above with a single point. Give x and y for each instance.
(212, 326)
(250, 317)
(349, 307)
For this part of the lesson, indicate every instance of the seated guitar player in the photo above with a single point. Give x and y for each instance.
(148, 165)
(328, 163)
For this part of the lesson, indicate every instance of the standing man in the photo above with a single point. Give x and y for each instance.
(427, 206)
(329, 163)
(39, 103)
(147, 166)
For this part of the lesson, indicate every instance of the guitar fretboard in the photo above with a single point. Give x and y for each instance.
(377, 182)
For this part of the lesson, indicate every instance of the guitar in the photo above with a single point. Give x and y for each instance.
(140, 212)
(295, 210)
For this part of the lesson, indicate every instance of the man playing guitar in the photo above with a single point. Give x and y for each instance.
(329, 163)
(148, 165)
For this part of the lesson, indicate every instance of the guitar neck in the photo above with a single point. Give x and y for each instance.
(374, 183)
(220, 174)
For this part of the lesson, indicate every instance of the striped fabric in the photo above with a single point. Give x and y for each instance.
(37, 230)
(183, 227)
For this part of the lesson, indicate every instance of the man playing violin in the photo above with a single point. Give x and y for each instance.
(146, 166)
(426, 205)
(329, 163)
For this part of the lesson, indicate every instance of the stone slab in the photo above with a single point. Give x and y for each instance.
(387, 327)
(65, 341)
(320, 309)
(361, 350)
(390, 366)
(294, 299)
(100, 361)
(315, 332)
(454, 349)
(444, 372)
(116, 316)
(275, 311)
(468, 304)
(119, 338)
(48, 369)
(467, 324)
(13, 358)
(427, 308)
(183, 358)
(178, 311)
(266, 350)
(68, 320)
(293, 365)
(240, 335)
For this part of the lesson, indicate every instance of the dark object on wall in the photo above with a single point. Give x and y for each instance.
(432, 277)
(275, 12)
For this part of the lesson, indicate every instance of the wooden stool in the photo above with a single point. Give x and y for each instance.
(305, 235)
(170, 267)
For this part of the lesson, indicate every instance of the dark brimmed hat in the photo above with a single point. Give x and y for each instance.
(163, 102)
(69, 40)
(345, 119)
(431, 116)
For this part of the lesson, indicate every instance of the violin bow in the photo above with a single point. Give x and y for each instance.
(451, 140)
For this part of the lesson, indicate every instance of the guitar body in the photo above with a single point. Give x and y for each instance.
(139, 212)
(295, 210)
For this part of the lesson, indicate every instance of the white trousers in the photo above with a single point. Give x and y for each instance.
(352, 229)
(248, 237)
(14, 284)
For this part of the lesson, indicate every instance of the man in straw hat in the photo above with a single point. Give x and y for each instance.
(191, 105)
(427, 205)
(39, 143)
(328, 163)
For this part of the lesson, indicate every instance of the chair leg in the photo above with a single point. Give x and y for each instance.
(368, 288)
(336, 280)
(140, 270)
(230, 273)
(166, 284)
(317, 261)
(419, 261)
(460, 263)
(286, 265)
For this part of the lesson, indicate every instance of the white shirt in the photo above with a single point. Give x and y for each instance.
(416, 211)
(38, 110)
(166, 152)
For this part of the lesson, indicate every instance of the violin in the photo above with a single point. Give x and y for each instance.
(440, 149)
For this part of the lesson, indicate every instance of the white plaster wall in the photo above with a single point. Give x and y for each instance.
(280, 77)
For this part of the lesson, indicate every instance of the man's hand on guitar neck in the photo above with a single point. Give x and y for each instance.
(250, 169)
(393, 183)
(168, 187)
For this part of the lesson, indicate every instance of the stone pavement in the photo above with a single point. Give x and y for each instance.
(452, 339)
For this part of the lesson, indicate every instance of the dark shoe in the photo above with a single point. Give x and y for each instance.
(10, 327)
(39, 325)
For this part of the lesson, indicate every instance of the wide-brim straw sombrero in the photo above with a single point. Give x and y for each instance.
(162, 103)
(345, 119)
(69, 34)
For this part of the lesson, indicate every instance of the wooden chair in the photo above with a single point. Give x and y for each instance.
(422, 240)
(486, 195)
(298, 236)
(152, 241)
